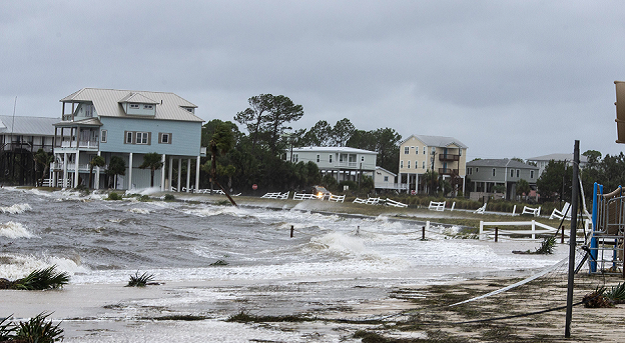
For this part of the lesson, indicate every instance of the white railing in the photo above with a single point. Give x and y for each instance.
(533, 232)
(303, 196)
(533, 211)
(394, 203)
(276, 195)
(437, 206)
(337, 198)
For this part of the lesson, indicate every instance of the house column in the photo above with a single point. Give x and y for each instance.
(129, 170)
(76, 169)
(188, 174)
(163, 173)
(171, 170)
(179, 174)
(64, 170)
(97, 175)
(197, 174)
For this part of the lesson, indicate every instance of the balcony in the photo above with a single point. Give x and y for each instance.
(447, 171)
(448, 157)
(82, 144)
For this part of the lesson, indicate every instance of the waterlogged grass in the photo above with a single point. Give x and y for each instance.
(38, 280)
(140, 280)
(35, 330)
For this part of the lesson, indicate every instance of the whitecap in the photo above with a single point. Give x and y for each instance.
(16, 208)
(14, 266)
(14, 230)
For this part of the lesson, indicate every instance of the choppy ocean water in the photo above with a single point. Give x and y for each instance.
(330, 259)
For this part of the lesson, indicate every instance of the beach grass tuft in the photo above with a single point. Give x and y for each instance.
(40, 279)
(140, 280)
(37, 329)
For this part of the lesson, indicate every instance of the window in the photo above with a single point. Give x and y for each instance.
(103, 136)
(142, 138)
(408, 165)
(469, 171)
(318, 158)
(128, 137)
(134, 106)
(148, 107)
(531, 174)
(477, 169)
(406, 150)
(330, 158)
(164, 138)
(511, 173)
(423, 164)
(362, 158)
(386, 179)
(494, 169)
(416, 164)
(416, 151)
(295, 158)
(424, 151)
(517, 172)
(401, 164)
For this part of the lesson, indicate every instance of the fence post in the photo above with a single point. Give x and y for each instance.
(514, 210)
(479, 236)
(427, 225)
(292, 229)
(496, 234)
(562, 236)
(423, 233)
(453, 205)
(533, 229)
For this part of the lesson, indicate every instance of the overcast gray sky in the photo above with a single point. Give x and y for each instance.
(507, 78)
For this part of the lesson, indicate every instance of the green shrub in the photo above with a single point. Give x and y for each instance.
(169, 197)
(144, 198)
(114, 196)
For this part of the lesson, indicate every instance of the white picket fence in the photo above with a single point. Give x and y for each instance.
(276, 195)
(532, 232)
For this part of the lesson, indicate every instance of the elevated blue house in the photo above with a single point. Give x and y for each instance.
(127, 124)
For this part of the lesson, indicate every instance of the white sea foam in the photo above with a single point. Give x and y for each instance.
(139, 210)
(14, 230)
(17, 266)
(16, 208)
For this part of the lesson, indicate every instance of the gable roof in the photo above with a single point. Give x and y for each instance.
(31, 126)
(501, 162)
(384, 170)
(437, 141)
(107, 102)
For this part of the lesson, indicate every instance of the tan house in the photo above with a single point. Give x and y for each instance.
(418, 154)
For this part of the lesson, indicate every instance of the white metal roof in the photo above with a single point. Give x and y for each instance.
(31, 126)
(343, 149)
(558, 157)
(107, 102)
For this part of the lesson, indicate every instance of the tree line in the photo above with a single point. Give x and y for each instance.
(555, 183)
(258, 156)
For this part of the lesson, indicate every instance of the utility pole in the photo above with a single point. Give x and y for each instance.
(432, 188)
(572, 240)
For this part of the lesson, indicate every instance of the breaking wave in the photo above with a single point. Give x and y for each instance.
(14, 230)
(15, 209)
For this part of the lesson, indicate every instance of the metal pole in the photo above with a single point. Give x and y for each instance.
(572, 240)
(496, 234)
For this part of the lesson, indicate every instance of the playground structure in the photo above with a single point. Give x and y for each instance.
(608, 232)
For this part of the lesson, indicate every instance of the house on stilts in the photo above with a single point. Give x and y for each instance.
(129, 125)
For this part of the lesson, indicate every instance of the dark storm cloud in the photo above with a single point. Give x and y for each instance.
(508, 78)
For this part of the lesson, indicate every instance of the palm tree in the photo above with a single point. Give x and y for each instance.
(45, 159)
(117, 166)
(97, 161)
(152, 161)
